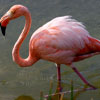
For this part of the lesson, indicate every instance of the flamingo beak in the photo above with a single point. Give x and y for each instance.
(4, 22)
(3, 29)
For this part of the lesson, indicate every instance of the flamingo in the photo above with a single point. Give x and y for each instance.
(62, 40)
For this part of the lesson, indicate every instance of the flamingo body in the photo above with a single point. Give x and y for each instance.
(61, 40)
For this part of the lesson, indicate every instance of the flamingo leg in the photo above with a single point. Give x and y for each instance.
(82, 78)
(59, 78)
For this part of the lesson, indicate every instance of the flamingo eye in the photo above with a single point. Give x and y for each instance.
(13, 12)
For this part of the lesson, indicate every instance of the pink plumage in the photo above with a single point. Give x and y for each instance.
(61, 39)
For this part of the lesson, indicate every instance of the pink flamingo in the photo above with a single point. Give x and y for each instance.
(62, 40)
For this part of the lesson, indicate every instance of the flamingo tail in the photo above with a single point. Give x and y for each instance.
(95, 44)
(93, 48)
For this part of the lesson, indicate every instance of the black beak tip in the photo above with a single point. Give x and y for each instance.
(3, 29)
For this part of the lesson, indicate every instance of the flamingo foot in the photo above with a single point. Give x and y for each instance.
(91, 87)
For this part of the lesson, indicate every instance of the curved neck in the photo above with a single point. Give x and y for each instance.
(15, 52)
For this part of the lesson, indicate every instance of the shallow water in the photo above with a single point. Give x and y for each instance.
(16, 81)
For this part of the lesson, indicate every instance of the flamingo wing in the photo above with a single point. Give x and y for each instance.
(60, 39)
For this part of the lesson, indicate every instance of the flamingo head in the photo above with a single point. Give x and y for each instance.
(14, 12)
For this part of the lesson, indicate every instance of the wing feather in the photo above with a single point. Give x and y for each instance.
(61, 33)
(66, 33)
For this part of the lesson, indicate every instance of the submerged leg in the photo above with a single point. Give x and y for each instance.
(59, 78)
(82, 78)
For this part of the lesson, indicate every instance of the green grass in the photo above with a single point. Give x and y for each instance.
(72, 90)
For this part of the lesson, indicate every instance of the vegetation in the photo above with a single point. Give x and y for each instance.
(57, 95)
